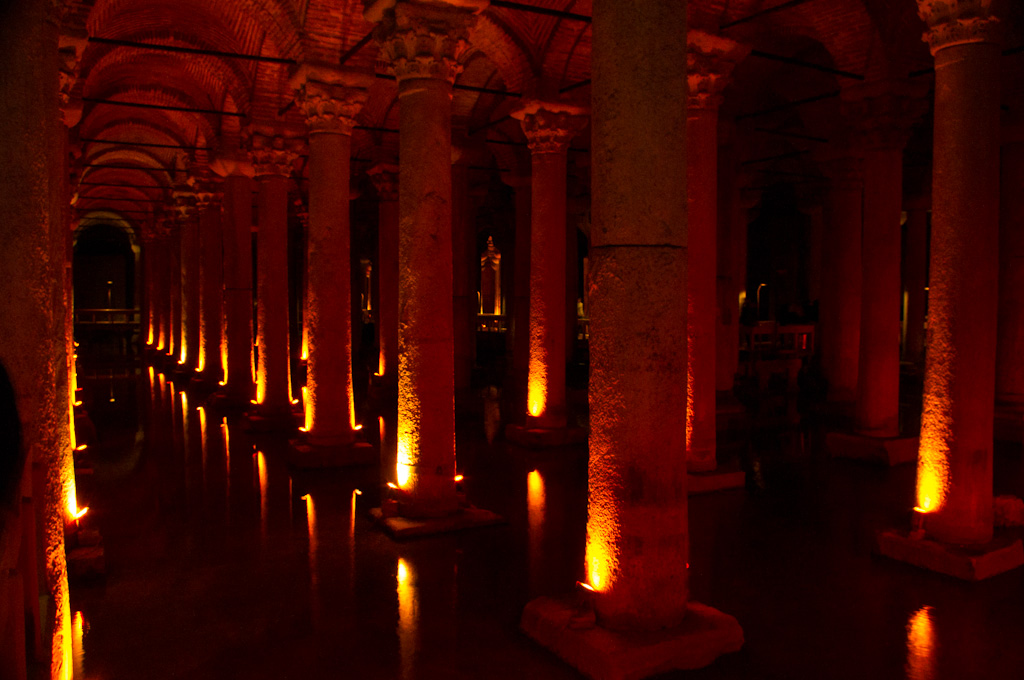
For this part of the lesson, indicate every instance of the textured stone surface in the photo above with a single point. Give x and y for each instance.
(601, 654)
(969, 563)
(302, 454)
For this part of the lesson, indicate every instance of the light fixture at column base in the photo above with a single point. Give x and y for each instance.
(544, 437)
(602, 654)
(888, 450)
(468, 517)
(303, 454)
(970, 563)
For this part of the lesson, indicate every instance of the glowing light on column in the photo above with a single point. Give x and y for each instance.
(223, 361)
(305, 342)
(307, 411)
(149, 335)
(921, 646)
(408, 431)
(407, 615)
(537, 385)
(602, 539)
(402, 471)
(932, 457)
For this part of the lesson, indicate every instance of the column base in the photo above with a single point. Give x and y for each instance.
(545, 437)
(302, 454)
(719, 479)
(602, 654)
(1008, 424)
(972, 563)
(468, 517)
(888, 450)
(272, 422)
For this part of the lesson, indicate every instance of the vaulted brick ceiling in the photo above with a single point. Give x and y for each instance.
(520, 52)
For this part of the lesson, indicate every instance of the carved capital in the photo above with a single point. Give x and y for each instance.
(272, 152)
(885, 112)
(70, 57)
(208, 193)
(958, 22)
(710, 60)
(550, 126)
(424, 40)
(385, 180)
(843, 172)
(331, 98)
(184, 202)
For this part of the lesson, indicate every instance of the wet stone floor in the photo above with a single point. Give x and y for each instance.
(221, 562)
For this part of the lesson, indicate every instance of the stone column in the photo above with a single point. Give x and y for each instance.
(549, 127)
(385, 180)
(839, 312)
(273, 155)
(954, 477)
(519, 322)
(211, 237)
(915, 282)
(1010, 342)
(173, 273)
(237, 296)
(885, 112)
(32, 344)
(422, 43)
(187, 352)
(330, 99)
(463, 294)
(710, 61)
(637, 526)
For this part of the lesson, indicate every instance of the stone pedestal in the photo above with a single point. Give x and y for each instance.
(567, 628)
(970, 563)
(887, 450)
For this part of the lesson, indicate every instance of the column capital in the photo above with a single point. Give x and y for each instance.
(421, 40)
(385, 180)
(70, 55)
(272, 149)
(330, 97)
(844, 171)
(958, 22)
(710, 60)
(885, 112)
(184, 202)
(550, 126)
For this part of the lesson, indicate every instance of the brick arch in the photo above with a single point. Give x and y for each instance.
(198, 127)
(505, 51)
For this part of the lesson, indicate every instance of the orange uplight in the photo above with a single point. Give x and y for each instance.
(459, 478)
(307, 411)
(933, 456)
(402, 472)
(80, 513)
(392, 485)
(585, 586)
(149, 336)
(921, 646)
(602, 538)
(537, 389)
(305, 344)
(381, 363)
(357, 428)
(81, 447)
(78, 403)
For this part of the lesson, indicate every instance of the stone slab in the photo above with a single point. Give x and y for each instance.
(972, 563)
(302, 454)
(602, 654)
(469, 517)
(540, 438)
(272, 423)
(715, 480)
(888, 450)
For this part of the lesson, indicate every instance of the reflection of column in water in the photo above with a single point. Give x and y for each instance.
(202, 442)
(921, 646)
(186, 437)
(261, 474)
(535, 506)
(78, 627)
(408, 613)
(226, 434)
(314, 578)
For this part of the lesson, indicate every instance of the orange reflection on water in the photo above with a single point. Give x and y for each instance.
(78, 628)
(535, 507)
(261, 474)
(921, 646)
(408, 613)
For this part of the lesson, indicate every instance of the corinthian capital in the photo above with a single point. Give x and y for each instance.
(710, 60)
(273, 150)
(385, 180)
(885, 112)
(956, 22)
(550, 126)
(330, 97)
(421, 40)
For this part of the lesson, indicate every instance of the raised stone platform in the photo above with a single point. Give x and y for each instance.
(972, 563)
(278, 422)
(887, 450)
(602, 654)
(468, 517)
(302, 454)
(715, 480)
(540, 438)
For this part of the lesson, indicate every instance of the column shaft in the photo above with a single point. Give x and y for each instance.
(954, 484)
(273, 385)
(330, 412)
(878, 384)
(238, 287)
(1010, 344)
(915, 258)
(701, 282)
(211, 298)
(463, 294)
(190, 291)
(637, 529)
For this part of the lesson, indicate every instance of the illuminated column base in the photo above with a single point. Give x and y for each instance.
(544, 437)
(973, 563)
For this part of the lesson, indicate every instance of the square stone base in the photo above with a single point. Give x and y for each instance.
(302, 454)
(968, 563)
(277, 422)
(469, 517)
(887, 450)
(715, 480)
(602, 654)
(539, 438)
(1008, 424)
